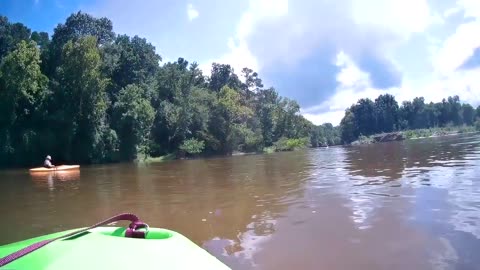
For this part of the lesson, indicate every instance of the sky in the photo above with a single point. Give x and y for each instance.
(326, 54)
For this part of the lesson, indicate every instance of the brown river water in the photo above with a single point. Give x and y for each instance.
(401, 205)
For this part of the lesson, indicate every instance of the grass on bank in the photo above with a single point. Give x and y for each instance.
(148, 159)
(283, 144)
(422, 133)
(436, 132)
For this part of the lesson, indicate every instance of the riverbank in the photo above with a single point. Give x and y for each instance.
(282, 145)
(413, 134)
(296, 144)
(148, 159)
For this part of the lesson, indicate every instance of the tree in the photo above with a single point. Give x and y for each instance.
(331, 133)
(42, 39)
(133, 116)
(468, 114)
(406, 115)
(23, 83)
(227, 118)
(77, 26)
(223, 75)
(22, 94)
(183, 105)
(192, 146)
(413, 115)
(11, 35)
(432, 114)
(387, 113)
(137, 61)
(81, 100)
(454, 110)
(266, 106)
(365, 117)
(286, 111)
(477, 112)
(420, 119)
(252, 82)
(349, 131)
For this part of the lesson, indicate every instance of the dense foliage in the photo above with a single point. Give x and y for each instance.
(368, 117)
(88, 95)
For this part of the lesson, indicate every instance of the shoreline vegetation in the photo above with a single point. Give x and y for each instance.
(283, 145)
(414, 134)
(86, 95)
(362, 140)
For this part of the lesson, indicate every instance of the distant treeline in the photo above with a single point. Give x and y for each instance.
(368, 117)
(87, 95)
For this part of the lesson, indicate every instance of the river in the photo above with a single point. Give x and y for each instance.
(400, 205)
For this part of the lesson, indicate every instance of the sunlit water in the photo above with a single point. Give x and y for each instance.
(402, 205)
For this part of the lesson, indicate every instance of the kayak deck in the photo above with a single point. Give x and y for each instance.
(107, 248)
(57, 168)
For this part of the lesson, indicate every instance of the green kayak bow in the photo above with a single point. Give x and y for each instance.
(99, 247)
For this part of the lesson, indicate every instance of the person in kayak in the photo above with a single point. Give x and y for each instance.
(48, 162)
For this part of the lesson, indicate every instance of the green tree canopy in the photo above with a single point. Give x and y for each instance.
(468, 114)
(386, 108)
(81, 99)
(78, 25)
(136, 62)
(11, 35)
(22, 95)
(133, 118)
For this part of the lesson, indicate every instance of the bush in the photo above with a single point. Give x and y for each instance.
(466, 129)
(269, 150)
(285, 144)
(420, 133)
(248, 141)
(192, 146)
(477, 125)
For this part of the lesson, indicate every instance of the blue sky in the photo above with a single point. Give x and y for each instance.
(326, 54)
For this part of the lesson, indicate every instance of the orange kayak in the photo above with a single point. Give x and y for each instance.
(57, 168)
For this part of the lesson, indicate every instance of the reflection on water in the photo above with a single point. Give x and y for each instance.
(56, 178)
(401, 205)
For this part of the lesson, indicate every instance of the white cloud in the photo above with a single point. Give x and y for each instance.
(404, 17)
(451, 12)
(470, 7)
(192, 13)
(240, 55)
(458, 48)
(297, 35)
(355, 84)
(282, 34)
(350, 75)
